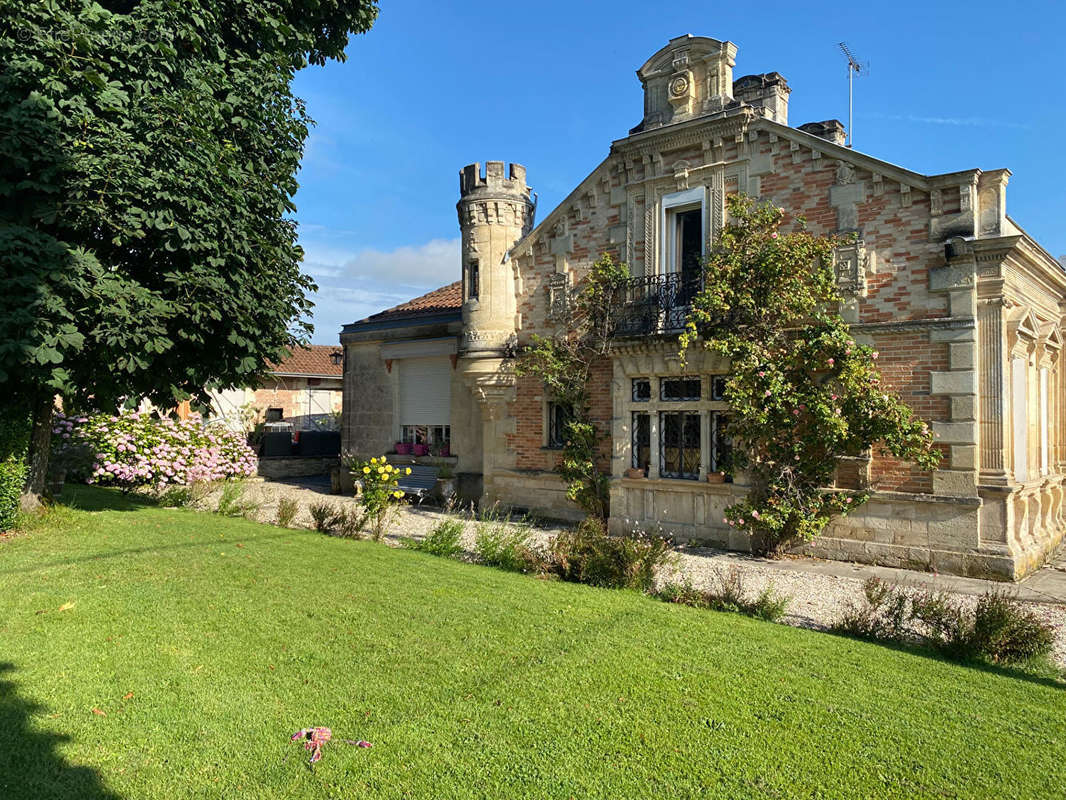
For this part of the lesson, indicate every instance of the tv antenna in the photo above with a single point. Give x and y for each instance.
(854, 68)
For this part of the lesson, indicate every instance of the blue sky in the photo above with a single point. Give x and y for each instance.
(435, 85)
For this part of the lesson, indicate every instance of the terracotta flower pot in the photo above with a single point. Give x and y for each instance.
(715, 477)
(633, 472)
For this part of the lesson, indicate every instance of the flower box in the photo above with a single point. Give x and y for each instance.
(420, 449)
(403, 448)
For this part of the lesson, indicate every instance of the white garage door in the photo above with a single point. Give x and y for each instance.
(425, 390)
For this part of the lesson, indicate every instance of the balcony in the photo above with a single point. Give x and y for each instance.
(655, 304)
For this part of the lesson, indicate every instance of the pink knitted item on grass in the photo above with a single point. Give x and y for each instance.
(317, 738)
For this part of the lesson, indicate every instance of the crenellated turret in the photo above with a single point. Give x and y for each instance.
(495, 211)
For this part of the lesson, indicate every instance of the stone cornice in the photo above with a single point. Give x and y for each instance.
(902, 175)
(673, 137)
(898, 326)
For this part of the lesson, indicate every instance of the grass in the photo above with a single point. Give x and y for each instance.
(206, 641)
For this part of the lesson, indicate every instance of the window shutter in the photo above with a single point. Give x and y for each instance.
(425, 391)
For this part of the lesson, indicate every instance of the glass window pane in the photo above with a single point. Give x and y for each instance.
(641, 441)
(641, 389)
(680, 388)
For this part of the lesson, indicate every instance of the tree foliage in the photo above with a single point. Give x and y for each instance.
(148, 153)
(564, 362)
(802, 391)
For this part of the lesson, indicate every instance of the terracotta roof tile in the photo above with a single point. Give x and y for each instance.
(439, 301)
(313, 360)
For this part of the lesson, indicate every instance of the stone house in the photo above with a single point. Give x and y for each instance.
(965, 308)
(305, 391)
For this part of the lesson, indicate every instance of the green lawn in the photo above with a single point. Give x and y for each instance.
(207, 641)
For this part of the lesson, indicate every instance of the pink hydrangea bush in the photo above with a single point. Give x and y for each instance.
(135, 449)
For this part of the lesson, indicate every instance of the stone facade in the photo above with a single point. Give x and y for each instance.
(963, 306)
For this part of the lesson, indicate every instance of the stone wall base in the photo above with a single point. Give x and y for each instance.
(296, 467)
(541, 494)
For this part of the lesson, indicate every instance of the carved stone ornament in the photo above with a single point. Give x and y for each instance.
(849, 267)
(679, 86)
(845, 173)
(558, 295)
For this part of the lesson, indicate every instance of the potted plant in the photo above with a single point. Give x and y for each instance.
(715, 477)
(634, 472)
(420, 449)
(403, 448)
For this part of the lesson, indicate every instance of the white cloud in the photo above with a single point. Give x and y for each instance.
(432, 264)
(353, 285)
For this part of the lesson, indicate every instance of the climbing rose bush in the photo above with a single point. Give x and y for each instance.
(802, 391)
(134, 449)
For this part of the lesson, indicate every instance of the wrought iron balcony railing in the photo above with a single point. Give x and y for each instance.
(653, 304)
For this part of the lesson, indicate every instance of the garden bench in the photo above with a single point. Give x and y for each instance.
(420, 483)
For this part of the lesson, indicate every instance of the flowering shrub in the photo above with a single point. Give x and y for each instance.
(134, 449)
(380, 493)
(802, 391)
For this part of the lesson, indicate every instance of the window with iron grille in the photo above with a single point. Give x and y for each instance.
(718, 387)
(680, 388)
(641, 390)
(679, 444)
(641, 440)
(559, 415)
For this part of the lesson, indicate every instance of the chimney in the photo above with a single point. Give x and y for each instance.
(832, 130)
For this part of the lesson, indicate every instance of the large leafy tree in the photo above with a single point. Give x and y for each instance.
(148, 153)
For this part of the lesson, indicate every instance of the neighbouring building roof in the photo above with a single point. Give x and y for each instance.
(445, 301)
(313, 361)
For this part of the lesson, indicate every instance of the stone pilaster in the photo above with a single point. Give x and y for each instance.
(992, 357)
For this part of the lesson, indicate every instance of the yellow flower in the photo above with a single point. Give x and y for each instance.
(408, 470)
(397, 495)
(366, 470)
(373, 461)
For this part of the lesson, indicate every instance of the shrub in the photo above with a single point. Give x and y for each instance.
(337, 520)
(444, 540)
(175, 496)
(232, 501)
(882, 615)
(1006, 632)
(12, 478)
(379, 495)
(997, 628)
(728, 594)
(14, 440)
(501, 542)
(288, 508)
(770, 605)
(134, 449)
(324, 516)
(348, 523)
(588, 555)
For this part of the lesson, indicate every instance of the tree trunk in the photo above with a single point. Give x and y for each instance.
(37, 458)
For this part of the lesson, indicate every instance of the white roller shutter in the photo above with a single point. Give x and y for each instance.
(425, 390)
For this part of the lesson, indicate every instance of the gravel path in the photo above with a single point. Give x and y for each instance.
(819, 591)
